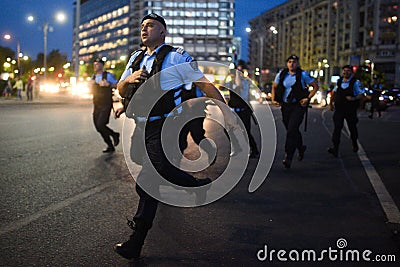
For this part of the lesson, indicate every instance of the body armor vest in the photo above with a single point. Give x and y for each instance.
(297, 93)
(102, 95)
(341, 103)
(162, 102)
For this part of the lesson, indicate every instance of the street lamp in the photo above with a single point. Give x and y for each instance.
(60, 17)
(8, 37)
(259, 39)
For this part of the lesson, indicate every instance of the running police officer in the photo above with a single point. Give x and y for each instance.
(290, 91)
(376, 89)
(345, 101)
(196, 125)
(239, 102)
(102, 84)
(155, 57)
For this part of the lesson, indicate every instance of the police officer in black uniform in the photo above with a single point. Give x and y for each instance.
(345, 102)
(143, 64)
(196, 125)
(102, 84)
(239, 102)
(376, 89)
(290, 91)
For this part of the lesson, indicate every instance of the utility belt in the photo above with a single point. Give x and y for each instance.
(143, 120)
(238, 109)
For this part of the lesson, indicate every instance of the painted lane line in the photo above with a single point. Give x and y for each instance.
(15, 225)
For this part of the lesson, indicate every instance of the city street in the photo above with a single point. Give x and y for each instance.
(65, 203)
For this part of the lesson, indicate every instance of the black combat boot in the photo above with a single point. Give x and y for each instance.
(287, 161)
(131, 248)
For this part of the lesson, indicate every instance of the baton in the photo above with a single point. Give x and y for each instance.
(306, 118)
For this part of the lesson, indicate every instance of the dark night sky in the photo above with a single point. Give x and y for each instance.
(14, 13)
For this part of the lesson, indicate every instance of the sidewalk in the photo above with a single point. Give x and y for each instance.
(44, 99)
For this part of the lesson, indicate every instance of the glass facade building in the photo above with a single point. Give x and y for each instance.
(103, 29)
(111, 29)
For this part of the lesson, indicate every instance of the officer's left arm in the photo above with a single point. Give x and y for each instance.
(311, 82)
(358, 92)
(112, 80)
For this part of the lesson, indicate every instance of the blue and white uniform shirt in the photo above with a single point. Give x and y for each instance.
(357, 90)
(290, 80)
(178, 68)
(110, 78)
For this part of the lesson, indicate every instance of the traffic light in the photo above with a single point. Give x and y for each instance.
(355, 68)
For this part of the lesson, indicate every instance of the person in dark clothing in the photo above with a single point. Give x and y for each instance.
(196, 126)
(290, 91)
(239, 102)
(102, 84)
(345, 101)
(376, 88)
(144, 63)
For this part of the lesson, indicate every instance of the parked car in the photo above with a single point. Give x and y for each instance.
(392, 95)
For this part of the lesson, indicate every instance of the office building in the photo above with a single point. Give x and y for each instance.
(111, 29)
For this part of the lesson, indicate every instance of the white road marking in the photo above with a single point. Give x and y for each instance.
(391, 210)
(52, 208)
(388, 205)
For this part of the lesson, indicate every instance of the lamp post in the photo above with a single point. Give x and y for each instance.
(60, 17)
(260, 49)
(273, 46)
(8, 37)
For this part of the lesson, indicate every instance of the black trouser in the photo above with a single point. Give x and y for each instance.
(375, 105)
(350, 115)
(101, 117)
(156, 161)
(196, 130)
(292, 116)
(245, 117)
(29, 94)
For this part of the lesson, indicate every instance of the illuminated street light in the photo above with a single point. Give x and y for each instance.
(59, 17)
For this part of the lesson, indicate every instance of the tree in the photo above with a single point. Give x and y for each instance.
(5, 52)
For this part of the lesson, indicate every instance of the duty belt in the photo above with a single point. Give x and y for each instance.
(238, 109)
(139, 119)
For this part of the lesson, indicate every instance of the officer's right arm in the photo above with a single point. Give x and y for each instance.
(136, 77)
(274, 86)
(330, 105)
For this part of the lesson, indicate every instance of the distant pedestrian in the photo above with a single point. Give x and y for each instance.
(8, 89)
(345, 101)
(29, 89)
(290, 91)
(19, 85)
(102, 84)
(376, 88)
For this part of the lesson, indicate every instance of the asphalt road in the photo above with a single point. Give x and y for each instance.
(64, 203)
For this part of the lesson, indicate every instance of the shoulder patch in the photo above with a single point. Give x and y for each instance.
(137, 51)
(180, 50)
(194, 65)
